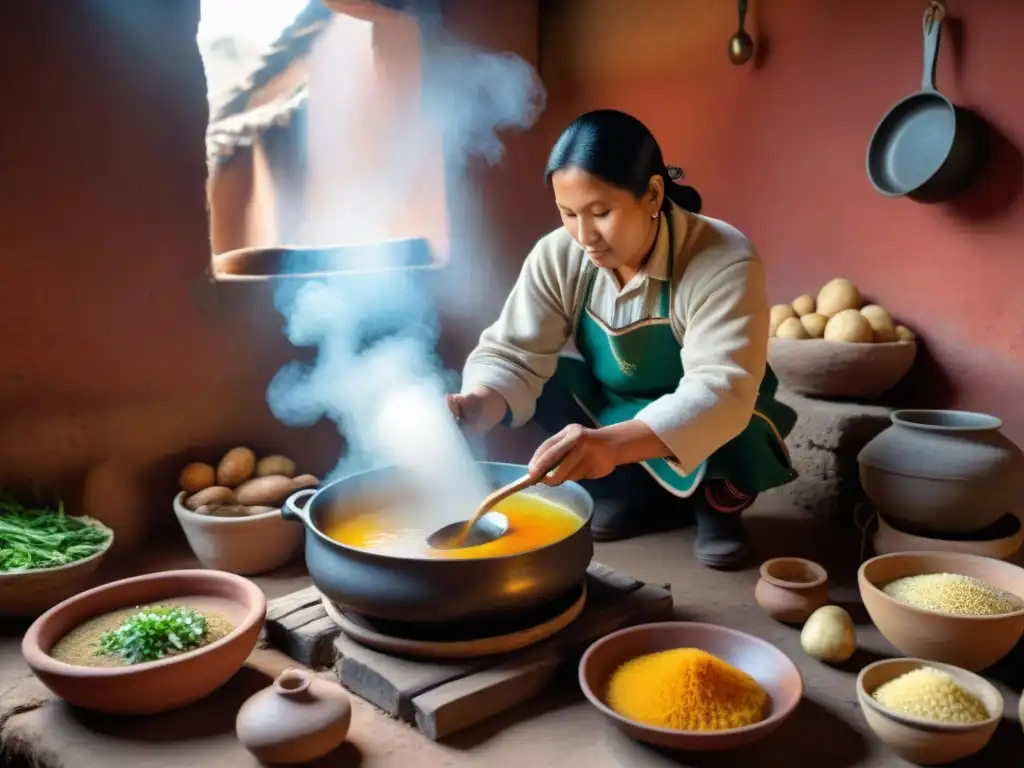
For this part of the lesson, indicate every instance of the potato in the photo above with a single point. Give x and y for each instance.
(803, 305)
(881, 323)
(306, 481)
(814, 324)
(792, 328)
(268, 491)
(829, 635)
(223, 510)
(836, 295)
(275, 465)
(850, 326)
(236, 467)
(779, 313)
(904, 334)
(196, 476)
(215, 494)
(261, 510)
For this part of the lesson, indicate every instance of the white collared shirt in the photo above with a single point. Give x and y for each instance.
(719, 315)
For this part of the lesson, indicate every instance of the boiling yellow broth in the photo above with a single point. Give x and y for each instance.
(533, 522)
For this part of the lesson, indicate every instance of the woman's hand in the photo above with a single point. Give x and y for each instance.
(575, 453)
(580, 453)
(478, 411)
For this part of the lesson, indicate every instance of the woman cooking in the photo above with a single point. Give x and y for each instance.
(636, 335)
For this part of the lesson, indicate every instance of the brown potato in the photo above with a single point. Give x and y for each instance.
(275, 465)
(791, 328)
(306, 481)
(236, 467)
(269, 491)
(223, 510)
(261, 510)
(776, 315)
(803, 305)
(196, 476)
(215, 494)
(904, 334)
(814, 324)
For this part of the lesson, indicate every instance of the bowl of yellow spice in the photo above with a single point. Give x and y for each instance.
(690, 686)
(926, 712)
(949, 607)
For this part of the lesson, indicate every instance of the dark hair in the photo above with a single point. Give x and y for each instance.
(619, 149)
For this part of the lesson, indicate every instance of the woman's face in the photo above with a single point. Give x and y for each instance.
(612, 225)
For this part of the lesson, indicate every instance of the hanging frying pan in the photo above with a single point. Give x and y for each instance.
(925, 148)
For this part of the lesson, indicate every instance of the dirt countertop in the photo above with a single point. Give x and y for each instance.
(558, 729)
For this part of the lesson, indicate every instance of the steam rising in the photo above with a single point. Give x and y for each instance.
(376, 373)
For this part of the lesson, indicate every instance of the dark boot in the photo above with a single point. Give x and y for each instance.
(630, 503)
(721, 541)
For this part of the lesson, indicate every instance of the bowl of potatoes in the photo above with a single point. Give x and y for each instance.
(837, 345)
(231, 513)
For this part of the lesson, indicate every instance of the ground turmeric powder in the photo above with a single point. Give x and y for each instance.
(686, 689)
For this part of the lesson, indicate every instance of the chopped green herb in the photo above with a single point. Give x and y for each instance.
(32, 538)
(153, 633)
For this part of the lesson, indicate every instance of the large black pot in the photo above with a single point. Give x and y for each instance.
(433, 590)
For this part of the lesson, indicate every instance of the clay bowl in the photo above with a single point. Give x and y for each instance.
(243, 545)
(1001, 540)
(31, 592)
(920, 741)
(761, 660)
(791, 589)
(971, 642)
(820, 368)
(155, 686)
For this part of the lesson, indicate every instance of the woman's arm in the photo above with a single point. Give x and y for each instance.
(518, 353)
(724, 356)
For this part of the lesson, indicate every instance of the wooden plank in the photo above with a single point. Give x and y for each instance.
(392, 682)
(286, 604)
(456, 705)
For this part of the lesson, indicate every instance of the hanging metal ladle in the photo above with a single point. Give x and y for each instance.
(741, 45)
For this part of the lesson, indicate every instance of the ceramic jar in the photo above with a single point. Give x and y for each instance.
(942, 471)
(299, 718)
(791, 589)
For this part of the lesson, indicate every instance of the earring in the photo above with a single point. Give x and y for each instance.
(654, 215)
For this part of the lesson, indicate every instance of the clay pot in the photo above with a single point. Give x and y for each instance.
(791, 589)
(153, 686)
(242, 545)
(819, 368)
(1001, 541)
(299, 718)
(925, 742)
(942, 471)
(971, 642)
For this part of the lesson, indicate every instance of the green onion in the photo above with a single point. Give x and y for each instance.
(153, 633)
(32, 538)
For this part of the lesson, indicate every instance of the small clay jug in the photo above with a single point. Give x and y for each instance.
(791, 589)
(299, 718)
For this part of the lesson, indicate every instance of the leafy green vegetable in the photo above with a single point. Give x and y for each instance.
(152, 633)
(33, 538)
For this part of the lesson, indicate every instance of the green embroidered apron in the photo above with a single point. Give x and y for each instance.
(624, 370)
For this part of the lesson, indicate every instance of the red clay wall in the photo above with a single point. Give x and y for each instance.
(778, 150)
(121, 361)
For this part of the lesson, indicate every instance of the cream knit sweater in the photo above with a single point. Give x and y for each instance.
(719, 315)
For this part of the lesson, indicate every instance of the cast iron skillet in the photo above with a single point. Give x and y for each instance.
(925, 148)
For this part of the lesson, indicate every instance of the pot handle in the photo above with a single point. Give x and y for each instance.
(291, 509)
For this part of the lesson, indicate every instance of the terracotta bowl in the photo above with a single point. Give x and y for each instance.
(822, 368)
(1001, 540)
(971, 642)
(155, 686)
(926, 742)
(791, 589)
(32, 592)
(243, 545)
(761, 660)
